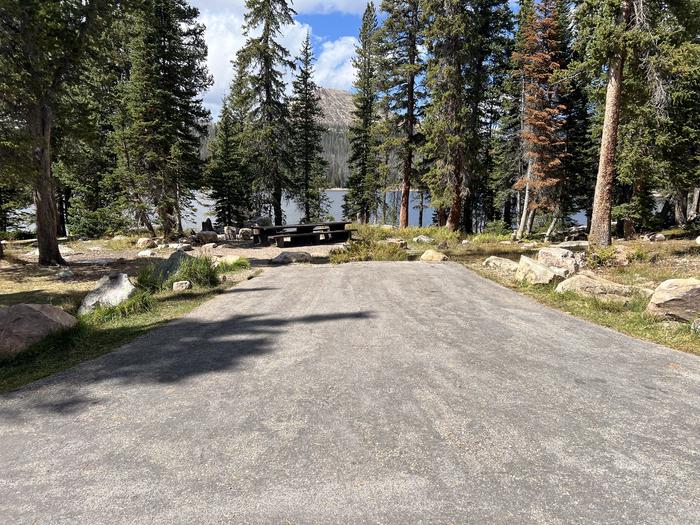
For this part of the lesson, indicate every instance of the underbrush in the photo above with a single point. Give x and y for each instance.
(361, 250)
(371, 232)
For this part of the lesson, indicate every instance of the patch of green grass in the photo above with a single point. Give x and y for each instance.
(627, 317)
(99, 333)
(233, 267)
(370, 232)
(489, 237)
(362, 250)
(199, 271)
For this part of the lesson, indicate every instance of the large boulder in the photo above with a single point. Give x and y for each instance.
(172, 264)
(145, 243)
(22, 325)
(590, 285)
(676, 299)
(205, 237)
(292, 257)
(245, 234)
(558, 258)
(501, 264)
(534, 272)
(111, 290)
(433, 256)
(230, 233)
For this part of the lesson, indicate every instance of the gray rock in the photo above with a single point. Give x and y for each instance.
(146, 253)
(172, 264)
(111, 290)
(676, 299)
(590, 285)
(230, 233)
(245, 234)
(558, 258)
(65, 275)
(184, 247)
(395, 241)
(424, 239)
(573, 244)
(658, 237)
(292, 257)
(433, 256)
(180, 286)
(534, 272)
(26, 324)
(205, 237)
(695, 326)
(145, 243)
(501, 263)
(209, 246)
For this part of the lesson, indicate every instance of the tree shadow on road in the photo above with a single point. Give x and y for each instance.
(180, 351)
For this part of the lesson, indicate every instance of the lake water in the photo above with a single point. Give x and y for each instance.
(293, 215)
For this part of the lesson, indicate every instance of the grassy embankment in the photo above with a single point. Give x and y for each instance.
(108, 328)
(642, 264)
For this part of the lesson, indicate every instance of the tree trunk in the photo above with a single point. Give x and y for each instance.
(694, 204)
(455, 212)
(441, 216)
(420, 209)
(523, 217)
(530, 221)
(41, 125)
(550, 230)
(405, 192)
(681, 207)
(277, 202)
(603, 197)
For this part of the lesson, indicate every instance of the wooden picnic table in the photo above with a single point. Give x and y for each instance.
(302, 233)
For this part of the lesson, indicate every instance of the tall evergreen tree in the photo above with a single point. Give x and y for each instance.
(363, 184)
(164, 106)
(401, 40)
(228, 172)
(42, 51)
(263, 60)
(309, 166)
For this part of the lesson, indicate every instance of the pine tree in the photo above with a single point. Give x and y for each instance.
(543, 111)
(309, 173)
(42, 51)
(263, 60)
(164, 107)
(363, 185)
(228, 173)
(401, 40)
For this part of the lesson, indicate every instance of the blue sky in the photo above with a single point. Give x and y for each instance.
(333, 25)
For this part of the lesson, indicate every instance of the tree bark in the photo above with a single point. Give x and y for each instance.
(681, 207)
(603, 197)
(525, 209)
(420, 209)
(41, 124)
(441, 216)
(530, 221)
(550, 230)
(277, 202)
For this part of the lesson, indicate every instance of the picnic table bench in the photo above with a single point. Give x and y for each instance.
(299, 234)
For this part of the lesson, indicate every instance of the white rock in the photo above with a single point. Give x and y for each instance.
(659, 237)
(111, 290)
(697, 240)
(146, 242)
(676, 299)
(245, 234)
(501, 263)
(534, 272)
(229, 233)
(574, 244)
(209, 246)
(591, 285)
(433, 256)
(394, 241)
(146, 253)
(424, 239)
(466, 241)
(558, 258)
(184, 247)
(180, 286)
(26, 324)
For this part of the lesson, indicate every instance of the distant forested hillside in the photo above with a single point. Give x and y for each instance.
(337, 108)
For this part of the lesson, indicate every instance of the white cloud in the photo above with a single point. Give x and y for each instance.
(334, 66)
(224, 19)
(330, 6)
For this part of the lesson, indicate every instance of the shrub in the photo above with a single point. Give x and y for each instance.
(141, 301)
(231, 267)
(368, 251)
(199, 271)
(603, 256)
(497, 228)
(150, 279)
